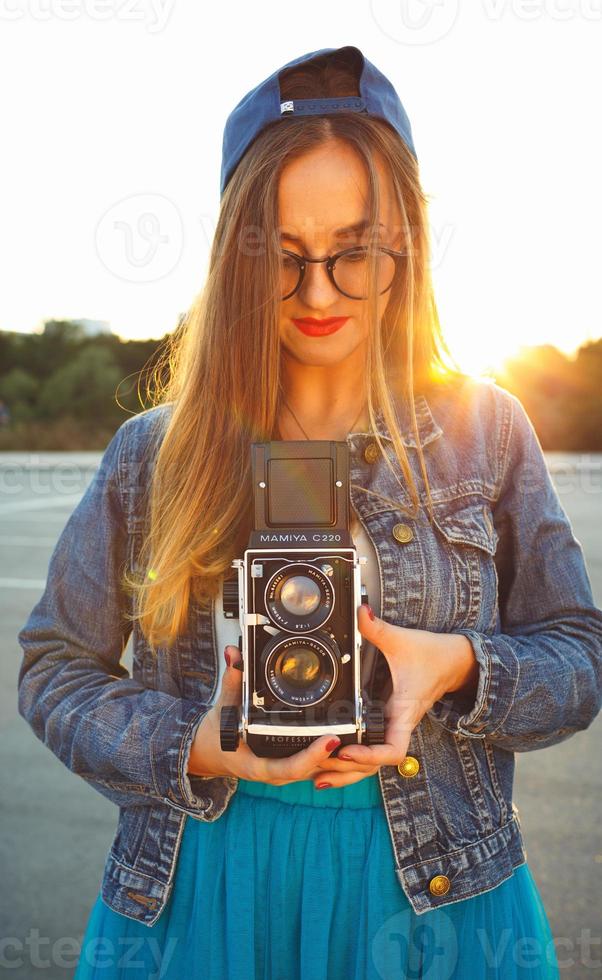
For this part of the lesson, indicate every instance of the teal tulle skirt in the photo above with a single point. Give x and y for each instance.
(294, 882)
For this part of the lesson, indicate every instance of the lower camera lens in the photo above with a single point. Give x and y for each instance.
(299, 667)
(300, 671)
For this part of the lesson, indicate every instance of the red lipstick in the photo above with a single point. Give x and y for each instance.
(312, 327)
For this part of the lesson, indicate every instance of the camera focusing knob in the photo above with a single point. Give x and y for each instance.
(230, 598)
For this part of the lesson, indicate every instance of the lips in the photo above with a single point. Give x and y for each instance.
(320, 328)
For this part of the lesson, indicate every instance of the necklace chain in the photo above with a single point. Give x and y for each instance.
(303, 430)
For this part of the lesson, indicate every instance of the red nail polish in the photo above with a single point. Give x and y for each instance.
(332, 744)
(370, 611)
(227, 658)
(323, 785)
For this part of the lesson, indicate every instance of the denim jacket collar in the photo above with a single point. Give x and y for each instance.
(428, 427)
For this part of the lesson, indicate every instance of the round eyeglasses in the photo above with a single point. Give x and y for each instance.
(347, 270)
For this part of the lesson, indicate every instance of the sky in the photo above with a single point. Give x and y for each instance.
(113, 116)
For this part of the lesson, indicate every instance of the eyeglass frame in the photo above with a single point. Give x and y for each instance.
(330, 261)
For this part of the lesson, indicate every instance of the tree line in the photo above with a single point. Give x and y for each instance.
(63, 389)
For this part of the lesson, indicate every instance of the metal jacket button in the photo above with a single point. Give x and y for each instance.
(409, 766)
(439, 885)
(371, 452)
(403, 533)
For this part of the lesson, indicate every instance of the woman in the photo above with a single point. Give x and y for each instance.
(397, 860)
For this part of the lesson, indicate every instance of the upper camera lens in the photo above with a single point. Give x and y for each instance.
(300, 595)
(299, 598)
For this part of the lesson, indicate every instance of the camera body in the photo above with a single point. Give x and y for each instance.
(296, 595)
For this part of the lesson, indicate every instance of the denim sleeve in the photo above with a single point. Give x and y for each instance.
(540, 677)
(131, 743)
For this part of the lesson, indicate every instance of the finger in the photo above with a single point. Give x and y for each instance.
(231, 688)
(377, 630)
(337, 779)
(388, 753)
(337, 764)
(234, 655)
(329, 765)
(385, 754)
(400, 722)
(299, 765)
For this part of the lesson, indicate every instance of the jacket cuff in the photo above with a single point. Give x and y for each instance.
(203, 797)
(498, 679)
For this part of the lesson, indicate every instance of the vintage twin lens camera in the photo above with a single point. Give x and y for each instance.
(296, 596)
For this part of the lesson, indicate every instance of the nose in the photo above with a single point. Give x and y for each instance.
(317, 291)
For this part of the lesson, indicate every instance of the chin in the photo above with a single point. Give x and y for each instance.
(318, 358)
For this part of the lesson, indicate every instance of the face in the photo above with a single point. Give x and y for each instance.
(322, 195)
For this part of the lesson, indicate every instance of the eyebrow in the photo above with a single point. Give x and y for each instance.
(354, 229)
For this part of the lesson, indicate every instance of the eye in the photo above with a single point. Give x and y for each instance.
(289, 261)
(358, 255)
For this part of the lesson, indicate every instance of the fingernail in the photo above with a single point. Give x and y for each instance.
(227, 657)
(323, 785)
(346, 758)
(332, 744)
(370, 611)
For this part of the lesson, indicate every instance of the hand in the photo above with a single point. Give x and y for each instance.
(424, 666)
(207, 758)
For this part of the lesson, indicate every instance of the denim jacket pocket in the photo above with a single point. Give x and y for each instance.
(467, 522)
(470, 538)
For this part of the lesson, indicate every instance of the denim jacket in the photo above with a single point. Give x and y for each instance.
(499, 564)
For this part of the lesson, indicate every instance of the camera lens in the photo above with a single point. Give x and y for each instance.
(299, 667)
(299, 598)
(300, 595)
(301, 671)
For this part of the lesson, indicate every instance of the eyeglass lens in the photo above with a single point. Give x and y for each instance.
(350, 273)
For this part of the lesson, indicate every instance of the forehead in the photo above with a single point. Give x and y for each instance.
(327, 188)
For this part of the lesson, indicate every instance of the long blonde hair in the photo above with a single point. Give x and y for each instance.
(223, 362)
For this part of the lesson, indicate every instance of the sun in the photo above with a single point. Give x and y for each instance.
(478, 354)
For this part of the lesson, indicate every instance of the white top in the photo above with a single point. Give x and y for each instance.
(228, 630)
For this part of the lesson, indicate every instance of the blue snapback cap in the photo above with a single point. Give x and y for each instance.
(263, 105)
